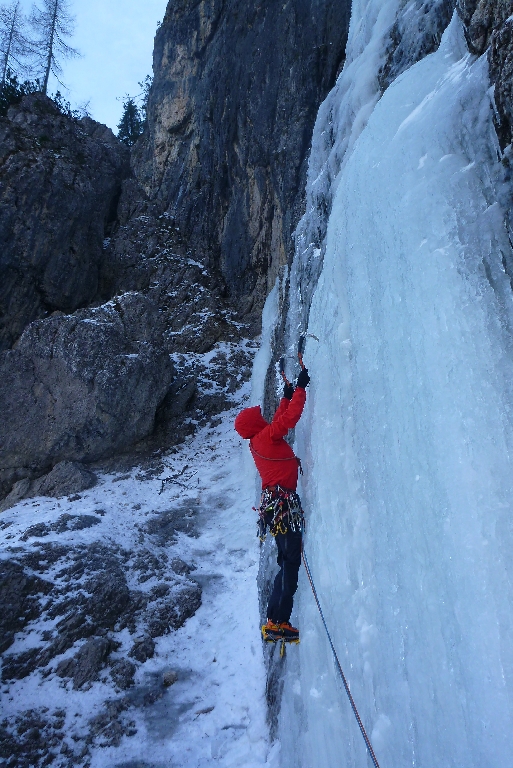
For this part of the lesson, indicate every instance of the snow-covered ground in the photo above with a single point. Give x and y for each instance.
(215, 713)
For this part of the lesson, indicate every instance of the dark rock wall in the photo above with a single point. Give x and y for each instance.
(489, 24)
(489, 30)
(482, 19)
(236, 91)
(501, 72)
(59, 184)
(98, 382)
(416, 33)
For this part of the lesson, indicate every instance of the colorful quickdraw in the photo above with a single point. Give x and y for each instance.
(279, 510)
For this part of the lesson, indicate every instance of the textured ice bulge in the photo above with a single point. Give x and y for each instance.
(340, 120)
(407, 438)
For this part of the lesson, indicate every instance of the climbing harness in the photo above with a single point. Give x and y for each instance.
(280, 510)
(346, 685)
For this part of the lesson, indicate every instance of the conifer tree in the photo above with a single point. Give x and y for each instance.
(131, 124)
(52, 23)
(145, 86)
(14, 46)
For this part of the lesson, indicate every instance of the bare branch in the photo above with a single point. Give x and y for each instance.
(52, 23)
(14, 45)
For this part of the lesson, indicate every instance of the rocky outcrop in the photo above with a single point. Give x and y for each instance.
(482, 19)
(86, 384)
(19, 601)
(501, 72)
(92, 603)
(81, 386)
(84, 667)
(231, 112)
(60, 180)
(489, 24)
(99, 382)
(93, 611)
(148, 255)
(67, 478)
(416, 33)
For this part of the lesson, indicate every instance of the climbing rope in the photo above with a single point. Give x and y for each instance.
(346, 686)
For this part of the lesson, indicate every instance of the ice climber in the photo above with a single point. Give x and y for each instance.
(280, 507)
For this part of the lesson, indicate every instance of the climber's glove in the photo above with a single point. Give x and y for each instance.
(288, 391)
(303, 379)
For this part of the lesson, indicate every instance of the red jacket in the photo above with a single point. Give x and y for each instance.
(274, 458)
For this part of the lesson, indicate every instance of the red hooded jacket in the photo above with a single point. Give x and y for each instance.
(274, 458)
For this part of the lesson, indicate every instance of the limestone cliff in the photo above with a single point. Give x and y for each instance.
(236, 91)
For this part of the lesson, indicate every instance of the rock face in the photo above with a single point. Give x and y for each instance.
(501, 71)
(59, 183)
(99, 381)
(231, 113)
(411, 40)
(76, 386)
(147, 255)
(65, 479)
(482, 19)
(81, 386)
(93, 605)
(19, 592)
(489, 24)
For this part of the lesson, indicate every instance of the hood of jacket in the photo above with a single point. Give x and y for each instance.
(250, 422)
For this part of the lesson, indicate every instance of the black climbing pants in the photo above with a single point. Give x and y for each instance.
(285, 583)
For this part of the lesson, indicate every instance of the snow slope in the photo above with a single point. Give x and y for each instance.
(215, 714)
(407, 437)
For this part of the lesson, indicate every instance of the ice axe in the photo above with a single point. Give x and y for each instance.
(301, 349)
(301, 346)
(282, 370)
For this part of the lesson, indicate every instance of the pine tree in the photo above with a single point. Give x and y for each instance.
(145, 86)
(52, 23)
(131, 124)
(14, 46)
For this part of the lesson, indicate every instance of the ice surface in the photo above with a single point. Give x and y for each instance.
(263, 357)
(407, 439)
(340, 120)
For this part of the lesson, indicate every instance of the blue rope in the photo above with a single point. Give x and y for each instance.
(346, 686)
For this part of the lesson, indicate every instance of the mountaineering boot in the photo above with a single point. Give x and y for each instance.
(288, 631)
(273, 632)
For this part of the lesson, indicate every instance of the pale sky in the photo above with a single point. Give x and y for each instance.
(115, 38)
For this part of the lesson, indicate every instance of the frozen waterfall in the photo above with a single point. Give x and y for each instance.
(407, 436)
